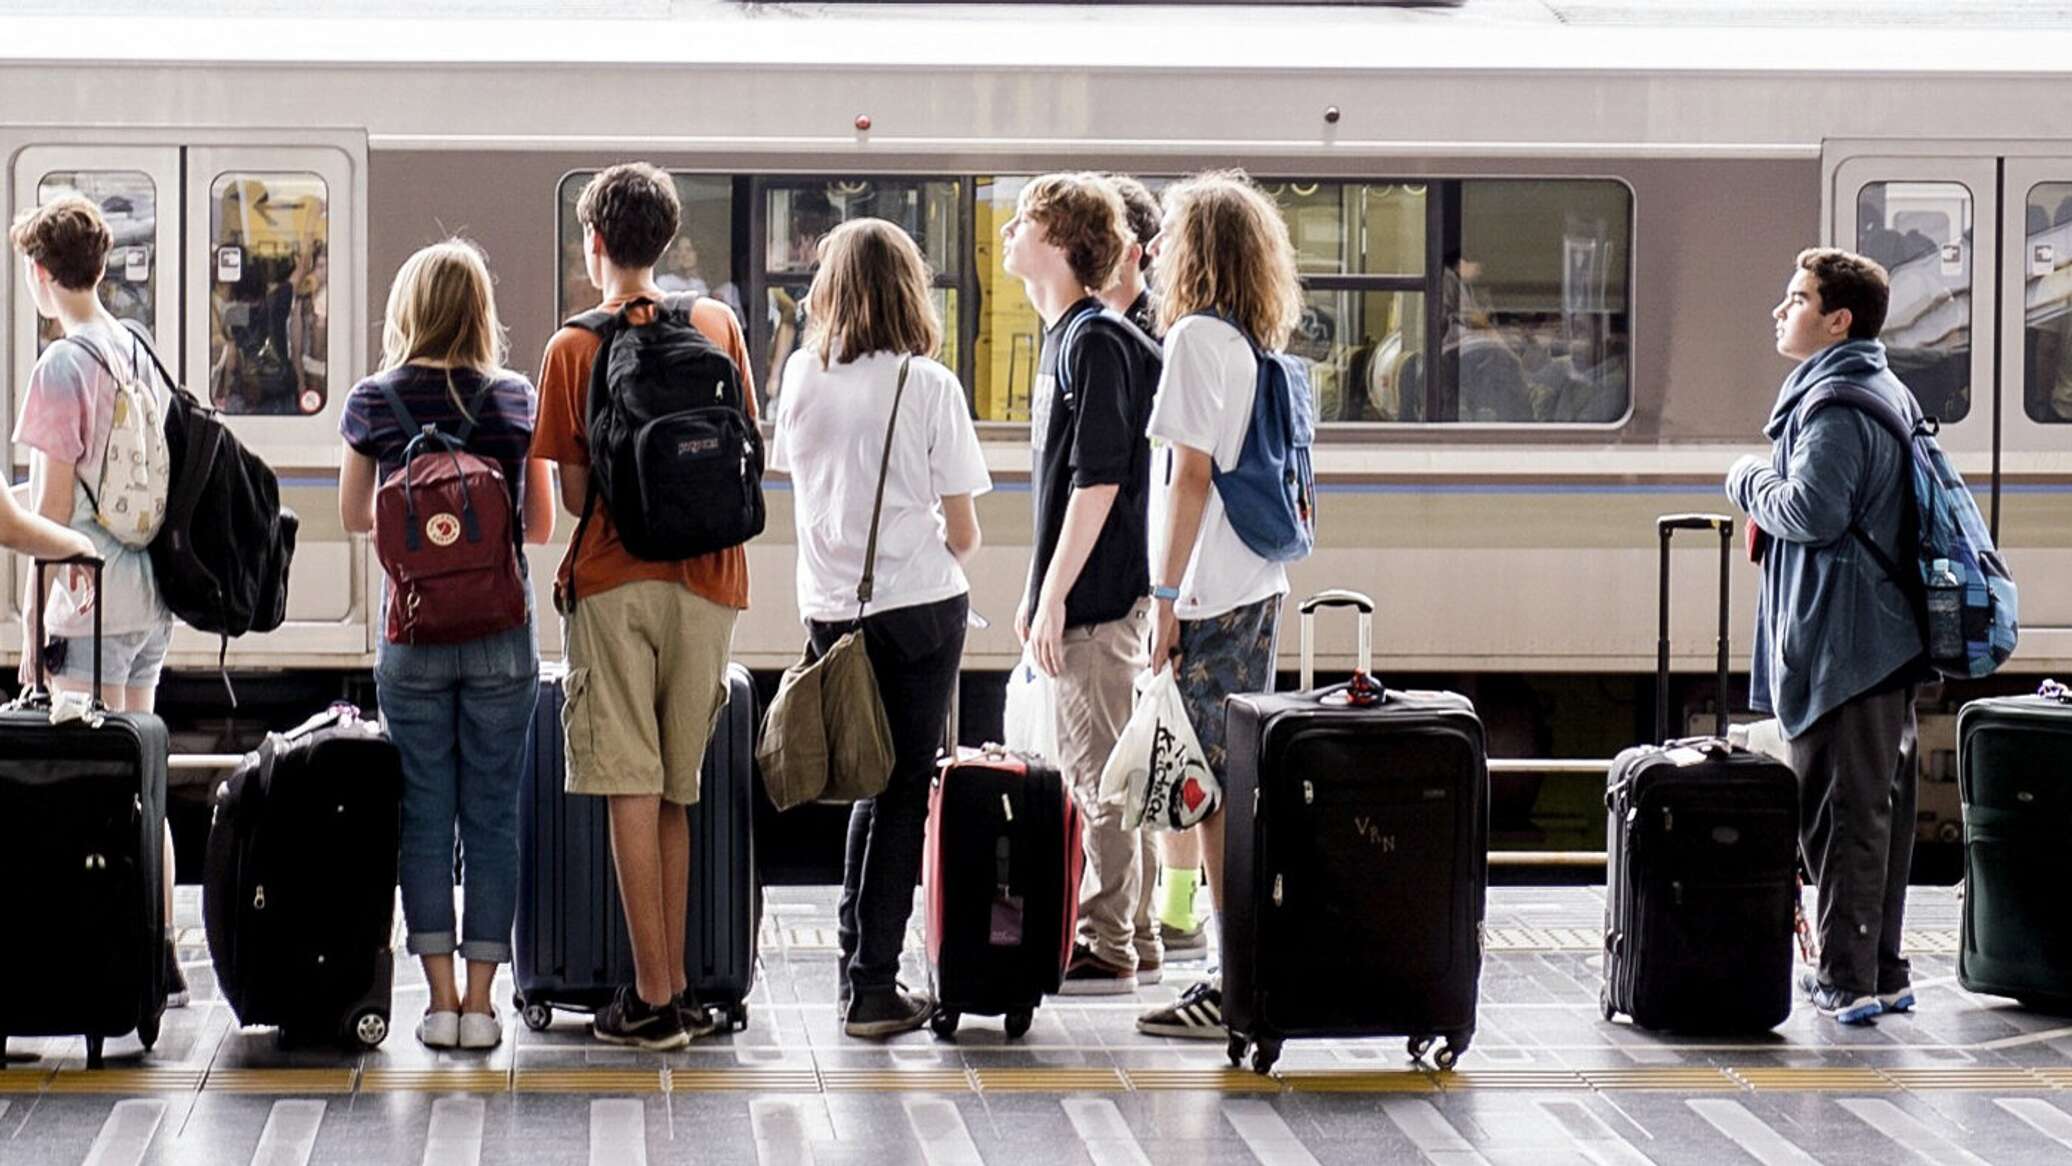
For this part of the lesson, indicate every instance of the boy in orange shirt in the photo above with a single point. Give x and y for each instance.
(648, 642)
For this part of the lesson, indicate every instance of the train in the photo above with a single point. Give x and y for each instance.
(1538, 279)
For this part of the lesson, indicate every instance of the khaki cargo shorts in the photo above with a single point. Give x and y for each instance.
(647, 682)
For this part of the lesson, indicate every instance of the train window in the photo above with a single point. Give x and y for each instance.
(2047, 319)
(1354, 230)
(1371, 374)
(797, 212)
(1533, 302)
(1921, 233)
(700, 259)
(129, 202)
(269, 305)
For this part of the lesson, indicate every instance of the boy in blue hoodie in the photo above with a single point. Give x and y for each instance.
(1838, 646)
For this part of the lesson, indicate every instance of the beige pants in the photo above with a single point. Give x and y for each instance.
(647, 681)
(1093, 694)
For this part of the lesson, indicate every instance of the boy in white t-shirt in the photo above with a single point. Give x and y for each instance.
(1221, 261)
(68, 414)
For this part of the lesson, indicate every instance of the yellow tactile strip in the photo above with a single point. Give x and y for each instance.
(587, 1079)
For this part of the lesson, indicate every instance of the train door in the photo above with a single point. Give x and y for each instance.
(241, 254)
(1978, 242)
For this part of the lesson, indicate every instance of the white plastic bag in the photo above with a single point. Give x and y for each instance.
(1157, 769)
(1031, 717)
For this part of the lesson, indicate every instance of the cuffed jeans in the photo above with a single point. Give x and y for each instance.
(915, 653)
(1856, 829)
(459, 715)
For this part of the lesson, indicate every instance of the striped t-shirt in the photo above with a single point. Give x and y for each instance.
(503, 431)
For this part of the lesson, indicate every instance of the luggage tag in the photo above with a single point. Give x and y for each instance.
(1006, 927)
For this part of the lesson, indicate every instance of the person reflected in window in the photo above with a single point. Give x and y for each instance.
(309, 327)
(1492, 381)
(680, 273)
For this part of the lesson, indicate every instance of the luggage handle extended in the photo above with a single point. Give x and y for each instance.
(42, 689)
(1363, 690)
(1665, 527)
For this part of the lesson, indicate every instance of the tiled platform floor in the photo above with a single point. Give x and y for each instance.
(1966, 1079)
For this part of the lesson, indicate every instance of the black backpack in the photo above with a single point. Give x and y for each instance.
(673, 454)
(221, 558)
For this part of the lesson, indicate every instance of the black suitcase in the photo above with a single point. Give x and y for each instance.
(1002, 868)
(82, 828)
(1701, 862)
(2013, 754)
(299, 890)
(572, 948)
(1356, 852)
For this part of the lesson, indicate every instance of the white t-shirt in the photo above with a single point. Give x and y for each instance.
(830, 435)
(1204, 402)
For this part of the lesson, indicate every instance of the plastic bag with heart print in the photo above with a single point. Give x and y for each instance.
(1158, 771)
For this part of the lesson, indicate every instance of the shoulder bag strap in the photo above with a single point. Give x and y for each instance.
(870, 546)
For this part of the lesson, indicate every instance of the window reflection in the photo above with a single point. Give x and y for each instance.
(699, 260)
(799, 212)
(1365, 350)
(1921, 233)
(1534, 304)
(129, 203)
(2047, 303)
(269, 293)
(1341, 229)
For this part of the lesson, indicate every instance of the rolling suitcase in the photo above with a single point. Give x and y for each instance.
(1701, 865)
(2012, 758)
(299, 889)
(82, 827)
(1001, 868)
(1355, 854)
(572, 948)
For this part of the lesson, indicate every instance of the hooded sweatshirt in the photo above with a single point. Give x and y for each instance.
(1831, 624)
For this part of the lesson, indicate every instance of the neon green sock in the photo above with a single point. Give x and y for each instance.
(1176, 898)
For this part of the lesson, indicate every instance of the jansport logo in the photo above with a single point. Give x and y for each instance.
(697, 446)
(442, 529)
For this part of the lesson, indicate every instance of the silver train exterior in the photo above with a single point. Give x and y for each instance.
(1516, 545)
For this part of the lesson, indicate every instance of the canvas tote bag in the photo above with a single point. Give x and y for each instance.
(826, 737)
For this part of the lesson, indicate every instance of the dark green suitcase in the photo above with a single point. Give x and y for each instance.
(2014, 767)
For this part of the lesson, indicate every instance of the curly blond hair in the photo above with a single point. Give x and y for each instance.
(1225, 249)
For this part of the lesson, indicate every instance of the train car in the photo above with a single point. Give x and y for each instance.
(1538, 284)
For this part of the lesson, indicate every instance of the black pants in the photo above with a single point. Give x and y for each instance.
(915, 653)
(1856, 828)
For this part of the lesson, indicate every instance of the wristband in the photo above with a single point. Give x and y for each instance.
(1169, 594)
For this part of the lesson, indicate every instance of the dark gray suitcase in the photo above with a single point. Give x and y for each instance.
(82, 828)
(2013, 758)
(1359, 816)
(571, 944)
(1701, 845)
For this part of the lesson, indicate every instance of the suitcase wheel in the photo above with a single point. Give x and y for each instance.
(536, 1016)
(1236, 1049)
(1417, 1047)
(1018, 1024)
(93, 1052)
(1604, 1004)
(369, 1028)
(1445, 1057)
(944, 1023)
(147, 1031)
(1264, 1053)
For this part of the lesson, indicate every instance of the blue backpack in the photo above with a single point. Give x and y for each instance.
(1270, 496)
(1961, 586)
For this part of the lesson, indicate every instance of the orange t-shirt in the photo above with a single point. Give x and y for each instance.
(602, 562)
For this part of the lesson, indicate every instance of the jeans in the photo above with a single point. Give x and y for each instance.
(915, 653)
(459, 715)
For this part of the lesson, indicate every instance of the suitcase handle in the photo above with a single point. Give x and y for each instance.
(1336, 597)
(93, 563)
(1665, 527)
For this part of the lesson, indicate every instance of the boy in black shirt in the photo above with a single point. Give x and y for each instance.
(1083, 616)
(1131, 295)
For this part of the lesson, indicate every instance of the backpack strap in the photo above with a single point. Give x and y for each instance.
(596, 321)
(1257, 352)
(401, 411)
(1889, 418)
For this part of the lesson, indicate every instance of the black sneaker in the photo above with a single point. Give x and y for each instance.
(887, 1013)
(697, 1019)
(629, 1020)
(1090, 975)
(176, 993)
(1197, 1015)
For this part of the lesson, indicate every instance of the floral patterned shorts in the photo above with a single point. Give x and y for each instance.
(1222, 654)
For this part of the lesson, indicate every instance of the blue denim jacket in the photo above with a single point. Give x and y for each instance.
(1830, 623)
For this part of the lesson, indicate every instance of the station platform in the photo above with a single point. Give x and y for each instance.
(1964, 1079)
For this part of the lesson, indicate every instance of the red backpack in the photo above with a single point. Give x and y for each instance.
(443, 530)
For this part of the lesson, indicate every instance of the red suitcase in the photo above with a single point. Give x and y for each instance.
(1002, 871)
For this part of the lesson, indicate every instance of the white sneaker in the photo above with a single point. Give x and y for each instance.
(439, 1030)
(480, 1030)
